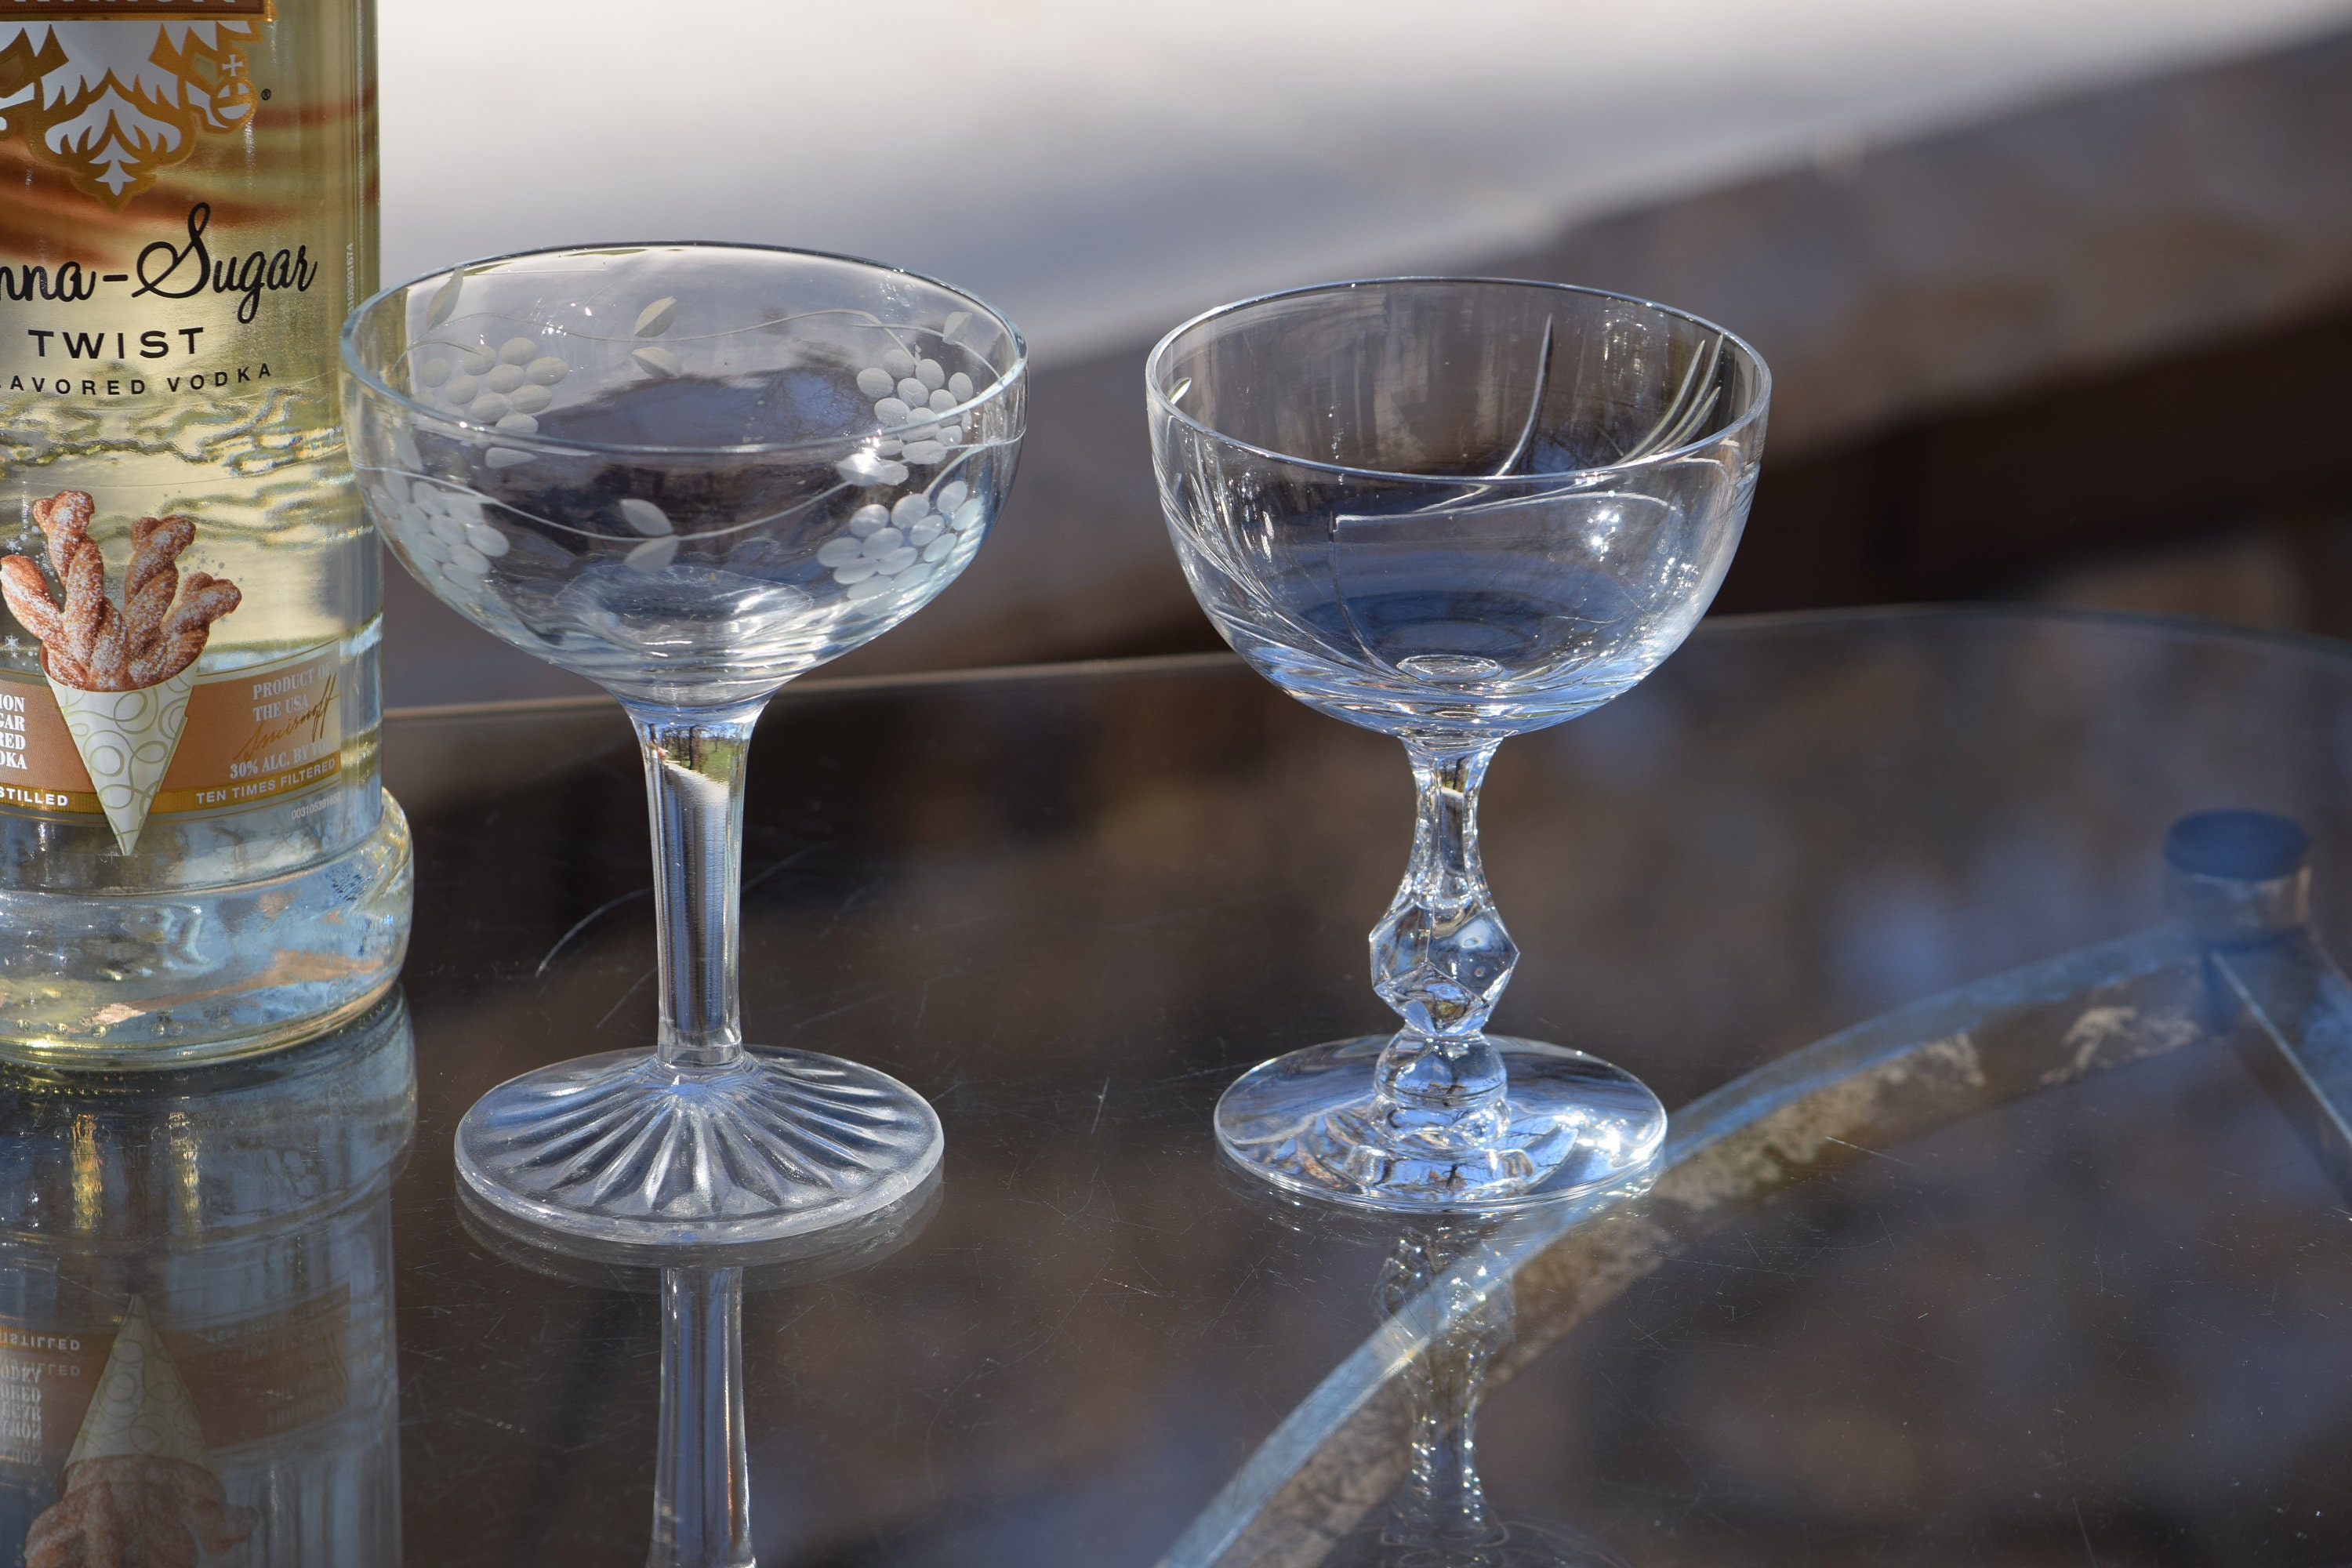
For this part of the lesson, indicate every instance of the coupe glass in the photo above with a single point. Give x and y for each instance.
(689, 472)
(1450, 510)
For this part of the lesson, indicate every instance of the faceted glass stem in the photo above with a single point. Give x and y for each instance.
(702, 1511)
(694, 790)
(1456, 1121)
(1441, 959)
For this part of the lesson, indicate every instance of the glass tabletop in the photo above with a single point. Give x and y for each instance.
(2094, 1316)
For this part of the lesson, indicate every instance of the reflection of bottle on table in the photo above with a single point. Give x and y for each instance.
(196, 1339)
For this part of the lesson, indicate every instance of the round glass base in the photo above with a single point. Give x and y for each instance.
(1309, 1122)
(1515, 1543)
(617, 1148)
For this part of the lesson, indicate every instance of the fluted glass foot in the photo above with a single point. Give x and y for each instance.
(1312, 1123)
(619, 1148)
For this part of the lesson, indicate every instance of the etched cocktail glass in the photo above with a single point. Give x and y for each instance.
(1450, 510)
(689, 472)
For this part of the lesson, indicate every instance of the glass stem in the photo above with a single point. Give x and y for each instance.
(1441, 957)
(694, 789)
(702, 1510)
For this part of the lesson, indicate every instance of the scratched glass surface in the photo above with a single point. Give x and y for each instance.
(2110, 1320)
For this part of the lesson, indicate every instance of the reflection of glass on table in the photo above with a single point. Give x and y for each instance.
(702, 1509)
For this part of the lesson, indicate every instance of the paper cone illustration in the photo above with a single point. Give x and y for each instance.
(136, 1487)
(122, 672)
(126, 740)
(141, 1407)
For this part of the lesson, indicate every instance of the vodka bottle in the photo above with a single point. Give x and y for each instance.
(196, 856)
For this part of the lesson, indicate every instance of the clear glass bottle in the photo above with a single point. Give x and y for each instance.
(196, 856)
(196, 1335)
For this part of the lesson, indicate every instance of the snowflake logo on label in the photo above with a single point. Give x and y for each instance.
(115, 91)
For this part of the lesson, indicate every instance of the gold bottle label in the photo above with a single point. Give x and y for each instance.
(185, 263)
(241, 737)
(125, 87)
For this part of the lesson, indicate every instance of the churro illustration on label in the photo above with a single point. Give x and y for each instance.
(121, 674)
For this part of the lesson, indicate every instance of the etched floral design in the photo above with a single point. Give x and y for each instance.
(504, 387)
(890, 549)
(660, 546)
(657, 360)
(911, 397)
(892, 543)
(444, 532)
(872, 469)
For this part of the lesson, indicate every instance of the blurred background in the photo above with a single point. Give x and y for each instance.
(2055, 290)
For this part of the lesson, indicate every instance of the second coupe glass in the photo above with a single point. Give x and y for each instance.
(690, 473)
(1450, 510)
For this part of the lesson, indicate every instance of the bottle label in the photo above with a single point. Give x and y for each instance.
(203, 284)
(220, 742)
(188, 218)
(126, 87)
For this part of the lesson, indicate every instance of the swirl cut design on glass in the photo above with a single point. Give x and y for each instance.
(1450, 510)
